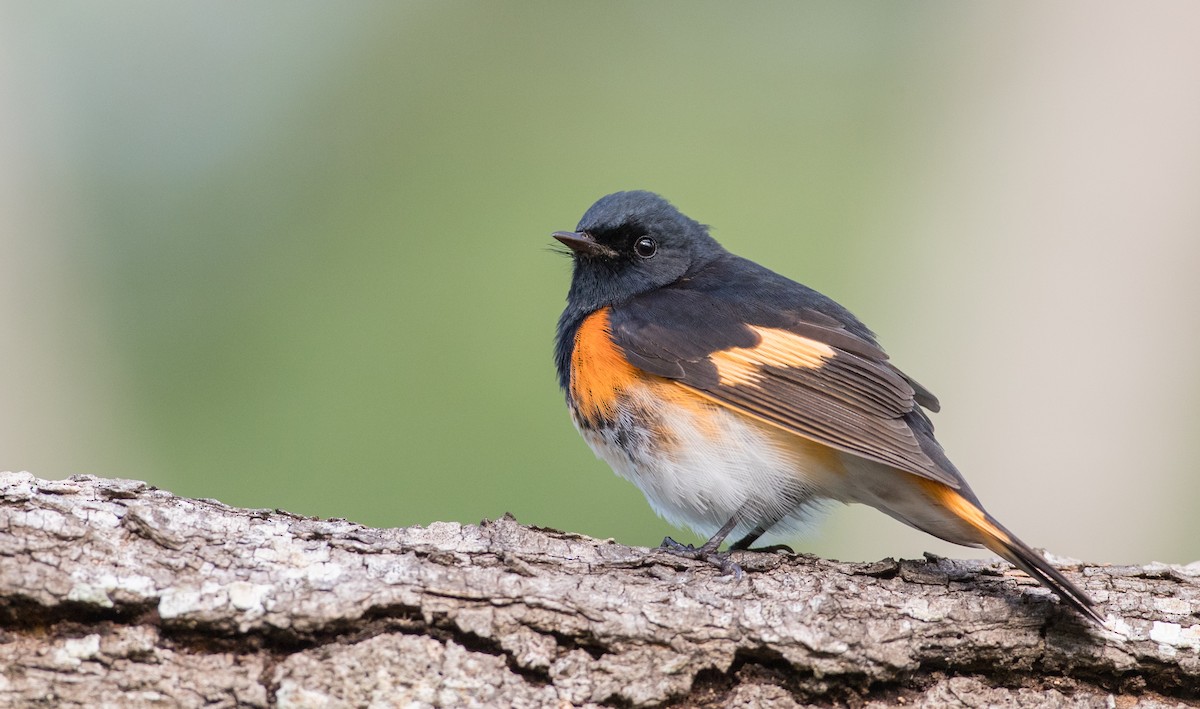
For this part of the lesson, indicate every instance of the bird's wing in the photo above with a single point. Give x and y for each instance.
(795, 366)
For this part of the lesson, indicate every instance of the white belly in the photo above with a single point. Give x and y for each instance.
(699, 465)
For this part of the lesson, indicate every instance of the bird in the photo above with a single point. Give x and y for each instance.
(741, 402)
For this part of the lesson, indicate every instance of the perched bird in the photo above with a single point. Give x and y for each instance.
(740, 401)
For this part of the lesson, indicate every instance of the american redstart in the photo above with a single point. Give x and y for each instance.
(740, 401)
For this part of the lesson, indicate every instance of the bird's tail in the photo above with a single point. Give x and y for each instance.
(999, 540)
(1031, 562)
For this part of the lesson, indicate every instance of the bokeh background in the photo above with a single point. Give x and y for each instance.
(297, 255)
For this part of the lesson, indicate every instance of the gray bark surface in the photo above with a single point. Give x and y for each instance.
(114, 593)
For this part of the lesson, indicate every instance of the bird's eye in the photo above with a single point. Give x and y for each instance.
(645, 247)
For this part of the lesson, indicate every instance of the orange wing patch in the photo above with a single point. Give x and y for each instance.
(599, 371)
(779, 348)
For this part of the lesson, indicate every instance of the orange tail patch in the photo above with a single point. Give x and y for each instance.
(999, 540)
(991, 535)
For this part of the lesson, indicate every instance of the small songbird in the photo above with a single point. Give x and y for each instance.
(740, 401)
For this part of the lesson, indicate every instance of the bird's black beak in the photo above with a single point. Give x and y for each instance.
(582, 243)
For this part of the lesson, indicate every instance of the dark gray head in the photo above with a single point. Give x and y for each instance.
(629, 243)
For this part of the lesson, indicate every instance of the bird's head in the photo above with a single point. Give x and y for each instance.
(629, 243)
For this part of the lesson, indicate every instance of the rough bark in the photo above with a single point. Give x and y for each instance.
(114, 593)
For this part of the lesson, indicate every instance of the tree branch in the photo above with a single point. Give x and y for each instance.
(115, 593)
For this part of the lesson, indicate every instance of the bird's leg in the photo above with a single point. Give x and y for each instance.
(744, 543)
(708, 551)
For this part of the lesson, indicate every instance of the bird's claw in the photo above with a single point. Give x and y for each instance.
(721, 560)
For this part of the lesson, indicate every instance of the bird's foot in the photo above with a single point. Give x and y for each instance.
(771, 549)
(704, 552)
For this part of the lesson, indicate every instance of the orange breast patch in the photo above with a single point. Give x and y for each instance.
(599, 371)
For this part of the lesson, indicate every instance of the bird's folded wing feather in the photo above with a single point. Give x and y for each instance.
(798, 369)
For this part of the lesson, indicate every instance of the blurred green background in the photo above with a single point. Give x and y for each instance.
(297, 255)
